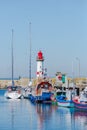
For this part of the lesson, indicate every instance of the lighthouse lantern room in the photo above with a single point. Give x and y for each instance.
(40, 68)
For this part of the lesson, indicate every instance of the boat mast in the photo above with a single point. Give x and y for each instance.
(73, 78)
(12, 59)
(30, 54)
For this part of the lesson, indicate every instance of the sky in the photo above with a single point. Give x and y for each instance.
(58, 29)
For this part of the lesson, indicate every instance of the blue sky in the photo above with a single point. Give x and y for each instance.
(58, 29)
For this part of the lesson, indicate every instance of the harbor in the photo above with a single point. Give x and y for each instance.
(23, 114)
(34, 104)
(43, 71)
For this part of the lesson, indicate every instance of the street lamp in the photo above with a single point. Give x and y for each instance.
(78, 64)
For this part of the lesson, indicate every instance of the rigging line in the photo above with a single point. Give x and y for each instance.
(12, 59)
(30, 52)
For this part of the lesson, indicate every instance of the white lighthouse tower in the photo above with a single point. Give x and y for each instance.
(40, 68)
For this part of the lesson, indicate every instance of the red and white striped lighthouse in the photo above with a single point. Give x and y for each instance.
(40, 68)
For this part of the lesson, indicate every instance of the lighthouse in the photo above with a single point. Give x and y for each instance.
(40, 60)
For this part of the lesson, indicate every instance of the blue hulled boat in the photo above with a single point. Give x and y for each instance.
(65, 99)
(42, 93)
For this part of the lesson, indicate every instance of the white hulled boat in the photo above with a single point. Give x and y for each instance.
(13, 92)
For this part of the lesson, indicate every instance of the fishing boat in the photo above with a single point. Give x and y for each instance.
(80, 102)
(65, 99)
(66, 93)
(13, 92)
(43, 93)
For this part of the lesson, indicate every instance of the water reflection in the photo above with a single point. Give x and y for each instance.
(72, 118)
(44, 112)
(12, 108)
(80, 117)
(65, 118)
(12, 117)
(24, 115)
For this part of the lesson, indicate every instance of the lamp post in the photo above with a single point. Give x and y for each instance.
(78, 64)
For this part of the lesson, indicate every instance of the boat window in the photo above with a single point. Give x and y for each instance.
(46, 86)
(13, 88)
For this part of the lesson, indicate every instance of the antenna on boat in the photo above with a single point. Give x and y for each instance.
(30, 55)
(12, 59)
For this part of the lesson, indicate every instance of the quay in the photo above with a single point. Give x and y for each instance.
(22, 82)
(79, 82)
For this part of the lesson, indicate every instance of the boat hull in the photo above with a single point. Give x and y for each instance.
(44, 98)
(13, 95)
(65, 103)
(80, 105)
(26, 94)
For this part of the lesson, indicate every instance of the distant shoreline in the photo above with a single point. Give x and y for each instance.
(9, 78)
(4, 82)
(23, 82)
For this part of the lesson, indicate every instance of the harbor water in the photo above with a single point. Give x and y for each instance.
(21, 114)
